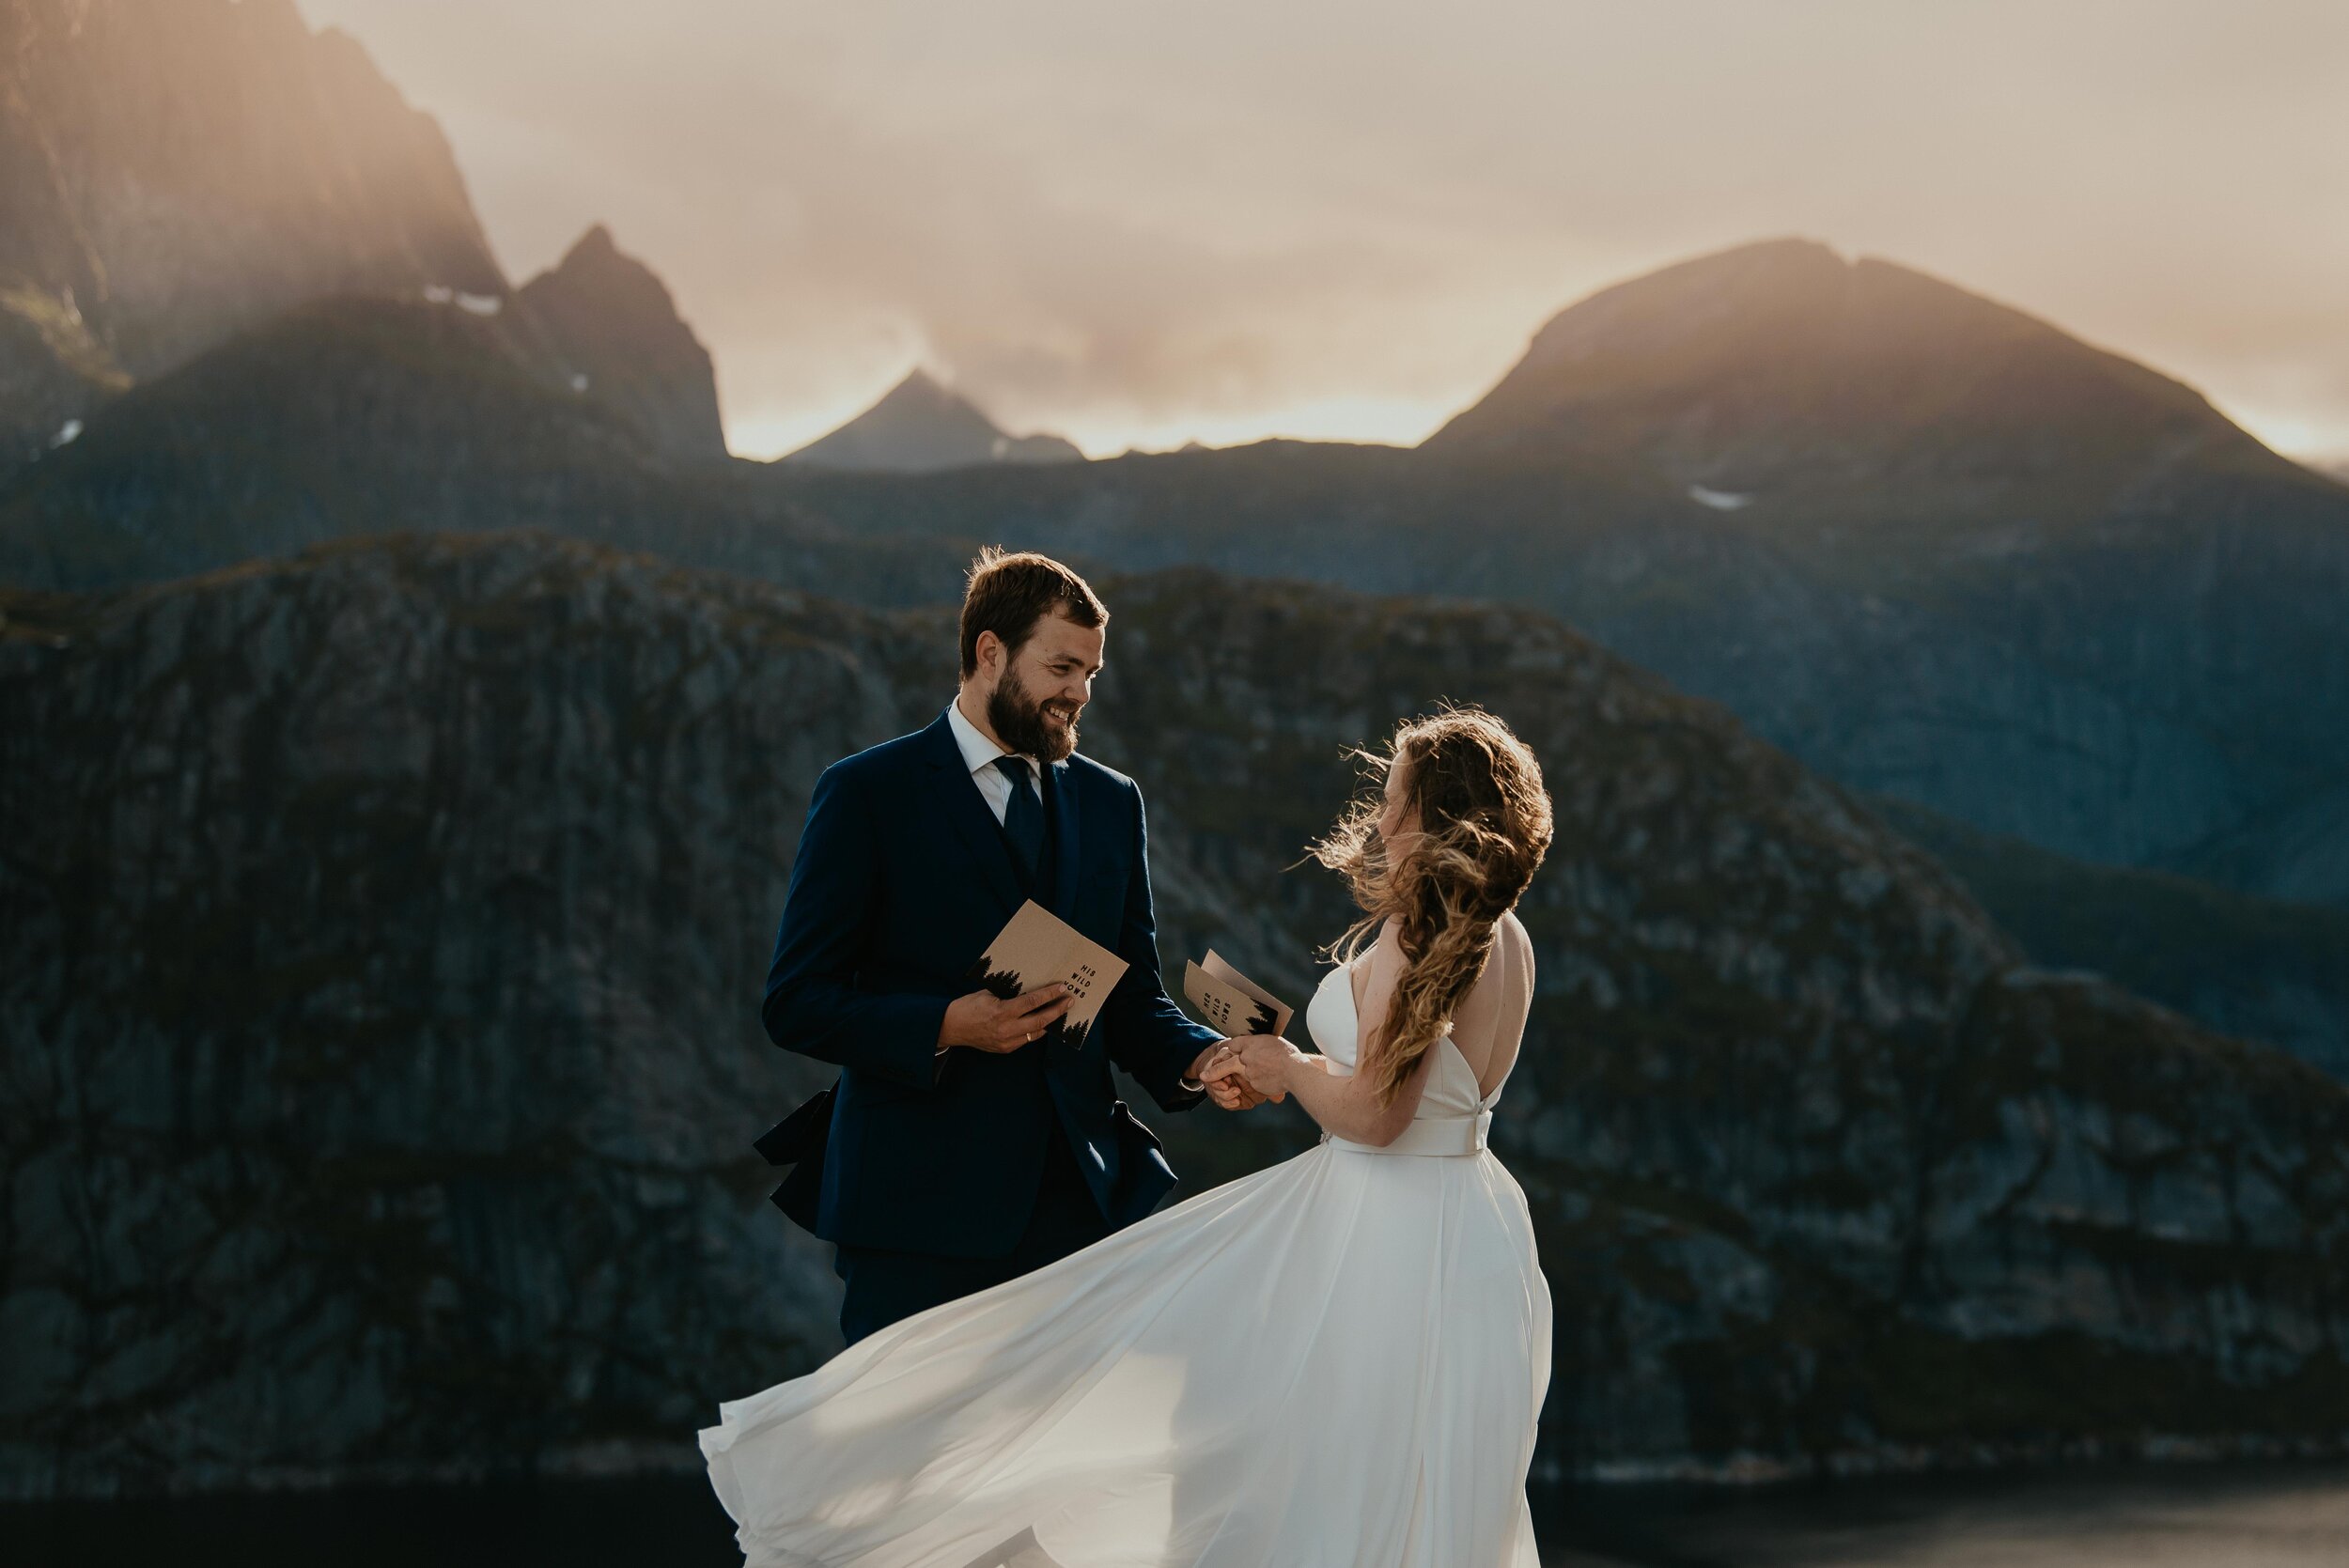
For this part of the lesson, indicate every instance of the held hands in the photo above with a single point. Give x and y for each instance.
(1250, 1069)
(1239, 1074)
(984, 1022)
(1227, 1089)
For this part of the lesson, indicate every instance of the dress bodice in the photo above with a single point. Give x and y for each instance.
(1453, 1118)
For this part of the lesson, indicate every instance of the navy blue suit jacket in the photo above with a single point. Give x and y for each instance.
(903, 878)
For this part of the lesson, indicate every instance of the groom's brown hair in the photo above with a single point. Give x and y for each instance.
(1009, 591)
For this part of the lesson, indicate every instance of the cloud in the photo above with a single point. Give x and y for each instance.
(1136, 221)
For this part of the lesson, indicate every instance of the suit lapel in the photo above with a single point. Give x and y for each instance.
(1064, 841)
(974, 823)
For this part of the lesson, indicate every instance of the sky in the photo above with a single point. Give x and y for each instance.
(1138, 222)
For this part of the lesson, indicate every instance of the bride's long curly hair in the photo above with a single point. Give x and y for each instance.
(1484, 827)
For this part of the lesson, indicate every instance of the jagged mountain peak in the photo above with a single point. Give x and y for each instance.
(922, 380)
(925, 386)
(595, 245)
(923, 424)
(933, 392)
(596, 255)
(610, 331)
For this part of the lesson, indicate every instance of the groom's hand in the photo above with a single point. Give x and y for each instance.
(984, 1022)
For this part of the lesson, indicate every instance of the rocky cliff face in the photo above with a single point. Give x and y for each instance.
(179, 172)
(421, 1132)
(175, 170)
(614, 335)
(382, 1041)
(2260, 968)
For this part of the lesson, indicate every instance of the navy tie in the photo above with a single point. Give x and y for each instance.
(1023, 818)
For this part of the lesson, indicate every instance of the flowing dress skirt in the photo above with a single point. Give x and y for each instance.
(1336, 1362)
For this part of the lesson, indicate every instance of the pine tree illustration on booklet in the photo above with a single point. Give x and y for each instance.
(1229, 1001)
(1036, 947)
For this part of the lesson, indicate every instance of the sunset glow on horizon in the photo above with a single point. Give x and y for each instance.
(1338, 419)
(1139, 225)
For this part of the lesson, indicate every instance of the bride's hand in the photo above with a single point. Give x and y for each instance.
(1264, 1061)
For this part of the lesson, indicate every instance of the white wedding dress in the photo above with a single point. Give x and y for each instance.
(1335, 1363)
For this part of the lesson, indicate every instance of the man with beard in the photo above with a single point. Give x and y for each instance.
(966, 1140)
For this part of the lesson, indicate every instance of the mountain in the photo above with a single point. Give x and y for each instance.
(920, 426)
(52, 373)
(383, 416)
(179, 172)
(1859, 398)
(614, 336)
(384, 1054)
(2070, 601)
(351, 417)
(2260, 968)
(175, 170)
(2110, 630)
(1934, 547)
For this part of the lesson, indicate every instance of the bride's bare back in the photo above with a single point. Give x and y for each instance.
(1488, 1026)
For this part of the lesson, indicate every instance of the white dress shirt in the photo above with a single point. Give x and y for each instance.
(979, 755)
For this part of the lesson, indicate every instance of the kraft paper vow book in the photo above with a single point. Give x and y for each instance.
(1035, 948)
(1232, 1003)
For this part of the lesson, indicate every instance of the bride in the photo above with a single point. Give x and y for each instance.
(1337, 1360)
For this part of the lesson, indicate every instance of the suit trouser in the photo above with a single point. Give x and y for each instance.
(884, 1286)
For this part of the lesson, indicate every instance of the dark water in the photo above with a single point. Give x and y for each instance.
(2137, 1516)
(2271, 1515)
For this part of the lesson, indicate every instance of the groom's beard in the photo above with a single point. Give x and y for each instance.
(1017, 720)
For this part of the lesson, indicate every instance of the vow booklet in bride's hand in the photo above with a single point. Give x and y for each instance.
(1231, 1002)
(1037, 948)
